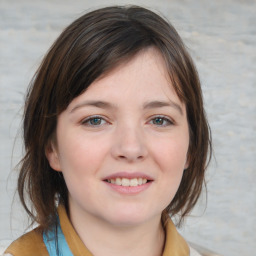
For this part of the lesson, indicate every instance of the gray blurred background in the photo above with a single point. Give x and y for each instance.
(221, 37)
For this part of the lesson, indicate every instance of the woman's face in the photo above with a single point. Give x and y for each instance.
(122, 145)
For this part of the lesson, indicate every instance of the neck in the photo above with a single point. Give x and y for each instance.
(102, 238)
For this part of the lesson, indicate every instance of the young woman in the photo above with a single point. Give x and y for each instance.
(116, 139)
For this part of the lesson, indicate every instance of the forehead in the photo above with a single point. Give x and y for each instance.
(143, 76)
(144, 61)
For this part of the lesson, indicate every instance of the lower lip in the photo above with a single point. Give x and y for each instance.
(129, 190)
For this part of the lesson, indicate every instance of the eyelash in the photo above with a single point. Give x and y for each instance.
(165, 121)
(91, 118)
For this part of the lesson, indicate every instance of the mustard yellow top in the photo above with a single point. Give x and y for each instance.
(32, 244)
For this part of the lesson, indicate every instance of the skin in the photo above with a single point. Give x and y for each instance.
(131, 134)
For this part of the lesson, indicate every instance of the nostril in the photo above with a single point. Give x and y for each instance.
(129, 152)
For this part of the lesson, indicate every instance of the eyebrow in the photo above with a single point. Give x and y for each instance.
(98, 104)
(160, 104)
(147, 105)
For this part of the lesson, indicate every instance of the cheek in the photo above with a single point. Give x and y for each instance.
(80, 162)
(171, 155)
(80, 154)
(172, 165)
(171, 158)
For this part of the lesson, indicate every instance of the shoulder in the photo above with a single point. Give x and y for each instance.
(29, 244)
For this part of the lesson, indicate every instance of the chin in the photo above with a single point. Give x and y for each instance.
(128, 219)
(127, 222)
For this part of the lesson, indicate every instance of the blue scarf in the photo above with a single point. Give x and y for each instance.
(56, 246)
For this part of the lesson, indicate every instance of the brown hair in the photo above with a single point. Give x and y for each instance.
(88, 48)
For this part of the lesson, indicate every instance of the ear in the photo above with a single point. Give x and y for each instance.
(186, 164)
(52, 156)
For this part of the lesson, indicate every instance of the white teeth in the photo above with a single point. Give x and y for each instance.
(128, 182)
(118, 182)
(125, 182)
(134, 182)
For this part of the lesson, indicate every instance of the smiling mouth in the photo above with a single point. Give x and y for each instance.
(125, 182)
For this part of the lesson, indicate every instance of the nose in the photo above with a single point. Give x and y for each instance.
(129, 144)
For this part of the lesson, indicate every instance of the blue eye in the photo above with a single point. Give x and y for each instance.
(161, 121)
(94, 121)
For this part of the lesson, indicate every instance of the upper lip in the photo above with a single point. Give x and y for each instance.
(128, 175)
